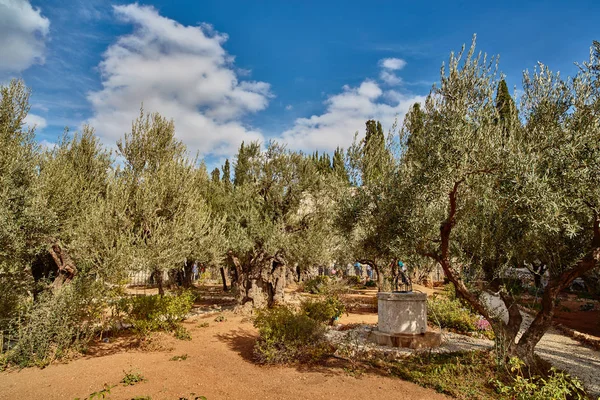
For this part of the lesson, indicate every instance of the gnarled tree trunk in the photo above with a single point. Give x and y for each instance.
(261, 279)
(508, 331)
(66, 267)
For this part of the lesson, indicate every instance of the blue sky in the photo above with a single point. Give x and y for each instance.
(308, 73)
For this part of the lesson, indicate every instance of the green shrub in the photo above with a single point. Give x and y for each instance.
(58, 324)
(451, 314)
(131, 378)
(557, 385)
(286, 336)
(182, 357)
(371, 284)
(316, 285)
(154, 313)
(325, 311)
(353, 280)
(182, 333)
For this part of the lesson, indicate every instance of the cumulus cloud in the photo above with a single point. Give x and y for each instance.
(35, 121)
(184, 73)
(390, 78)
(23, 30)
(346, 113)
(394, 64)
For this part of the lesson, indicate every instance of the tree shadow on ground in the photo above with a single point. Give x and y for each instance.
(242, 342)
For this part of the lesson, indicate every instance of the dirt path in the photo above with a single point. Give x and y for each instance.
(217, 366)
(570, 355)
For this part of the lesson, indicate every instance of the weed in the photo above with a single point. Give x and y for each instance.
(220, 318)
(181, 333)
(203, 325)
(141, 398)
(557, 385)
(131, 378)
(182, 357)
(100, 394)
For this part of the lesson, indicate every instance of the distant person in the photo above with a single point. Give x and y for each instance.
(195, 272)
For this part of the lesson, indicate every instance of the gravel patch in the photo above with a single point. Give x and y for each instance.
(561, 351)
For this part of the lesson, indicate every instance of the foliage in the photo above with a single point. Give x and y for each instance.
(131, 378)
(57, 324)
(219, 318)
(316, 285)
(463, 375)
(354, 280)
(181, 333)
(156, 312)
(557, 385)
(286, 336)
(370, 284)
(451, 314)
(182, 357)
(100, 394)
(325, 310)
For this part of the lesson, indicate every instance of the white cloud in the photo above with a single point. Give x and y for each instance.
(23, 31)
(390, 78)
(47, 145)
(289, 107)
(184, 73)
(393, 64)
(33, 120)
(345, 114)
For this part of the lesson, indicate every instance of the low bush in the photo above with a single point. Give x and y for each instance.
(557, 385)
(326, 310)
(371, 284)
(154, 313)
(451, 314)
(316, 285)
(131, 378)
(57, 324)
(353, 280)
(286, 336)
(181, 333)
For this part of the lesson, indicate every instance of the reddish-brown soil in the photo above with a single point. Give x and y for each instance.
(569, 314)
(218, 365)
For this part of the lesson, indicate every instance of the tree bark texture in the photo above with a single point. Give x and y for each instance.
(261, 279)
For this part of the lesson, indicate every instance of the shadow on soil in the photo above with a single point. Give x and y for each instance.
(242, 342)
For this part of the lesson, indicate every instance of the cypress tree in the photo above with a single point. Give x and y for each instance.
(339, 167)
(375, 154)
(505, 106)
(226, 176)
(215, 175)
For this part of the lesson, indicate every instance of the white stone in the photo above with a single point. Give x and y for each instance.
(402, 313)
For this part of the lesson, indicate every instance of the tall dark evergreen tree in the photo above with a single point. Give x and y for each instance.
(226, 173)
(415, 123)
(375, 154)
(215, 175)
(339, 167)
(243, 163)
(505, 106)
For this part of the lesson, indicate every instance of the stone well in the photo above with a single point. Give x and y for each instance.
(402, 321)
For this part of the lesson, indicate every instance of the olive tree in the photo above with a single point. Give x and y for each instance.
(481, 191)
(22, 220)
(277, 215)
(167, 216)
